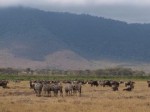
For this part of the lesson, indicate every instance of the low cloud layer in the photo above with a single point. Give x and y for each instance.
(132, 11)
(74, 2)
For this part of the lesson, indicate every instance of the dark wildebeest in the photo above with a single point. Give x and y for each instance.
(114, 83)
(114, 87)
(3, 83)
(81, 81)
(32, 83)
(148, 82)
(107, 83)
(129, 86)
(121, 82)
(93, 83)
(38, 88)
(129, 83)
(101, 83)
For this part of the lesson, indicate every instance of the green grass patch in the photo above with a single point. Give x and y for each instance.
(70, 77)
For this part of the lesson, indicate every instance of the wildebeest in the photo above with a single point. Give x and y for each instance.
(148, 82)
(129, 83)
(114, 83)
(106, 83)
(3, 83)
(115, 87)
(121, 82)
(129, 86)
(32, 83)
(93, 83)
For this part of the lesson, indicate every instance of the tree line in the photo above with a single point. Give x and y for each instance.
(98, 72)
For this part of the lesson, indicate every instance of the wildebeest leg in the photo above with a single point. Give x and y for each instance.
(4, 86)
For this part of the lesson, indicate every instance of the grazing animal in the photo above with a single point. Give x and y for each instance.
(77, 88)
(107, 83)
(38, 88)
(69, 89)
(114, 85)
(47, 88)
(93, 83)
(32, 83)
(3, 83)
(121, 82)
(129, 83)
(57, 87)
(129, 86)
(148, 82)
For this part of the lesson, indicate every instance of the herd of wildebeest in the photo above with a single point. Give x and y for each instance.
(71, 87)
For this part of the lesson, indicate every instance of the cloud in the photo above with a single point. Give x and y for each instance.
(73, 2)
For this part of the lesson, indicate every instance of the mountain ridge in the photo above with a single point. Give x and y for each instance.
(33, 35)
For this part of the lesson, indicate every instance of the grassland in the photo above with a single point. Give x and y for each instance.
(70, 77)
(20, 98)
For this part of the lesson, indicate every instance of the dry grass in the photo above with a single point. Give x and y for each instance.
(19, 98)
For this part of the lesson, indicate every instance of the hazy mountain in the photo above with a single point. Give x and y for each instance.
(42, 38)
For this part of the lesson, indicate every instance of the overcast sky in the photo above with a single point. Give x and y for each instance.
(132, 11)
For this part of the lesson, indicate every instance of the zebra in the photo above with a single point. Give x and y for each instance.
(69, 89)
(38, 88)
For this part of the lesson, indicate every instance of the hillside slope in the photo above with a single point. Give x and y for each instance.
(33, 35)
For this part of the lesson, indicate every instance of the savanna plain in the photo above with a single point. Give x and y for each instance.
(18, 97)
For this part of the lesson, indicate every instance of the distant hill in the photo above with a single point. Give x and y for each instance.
(64, 40)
